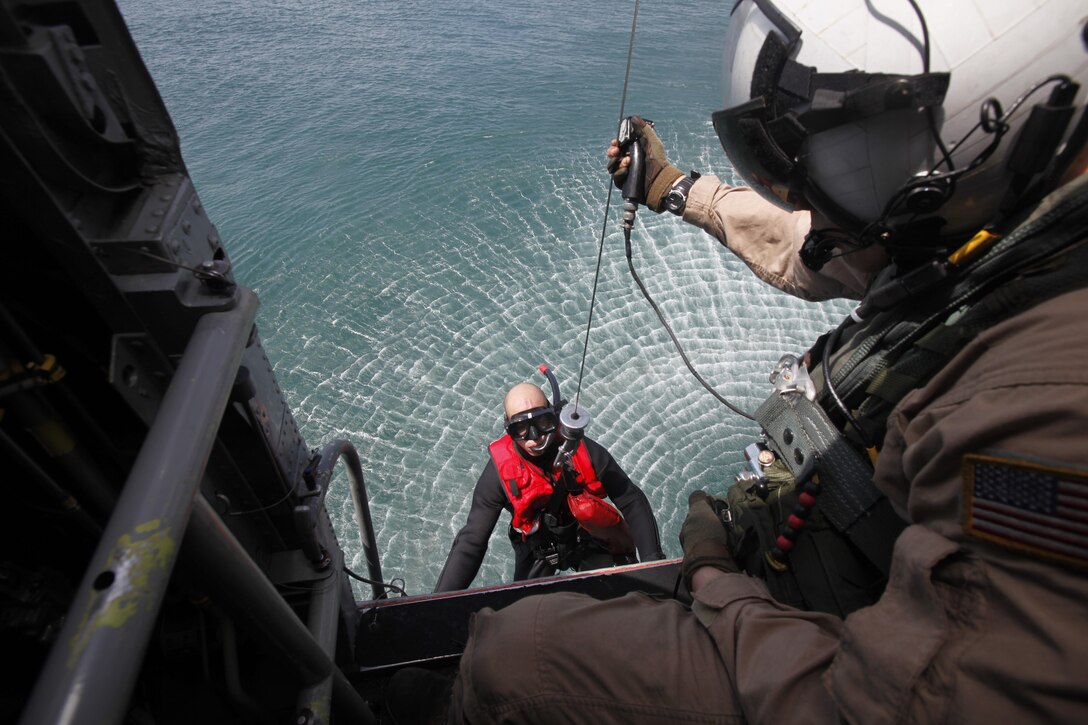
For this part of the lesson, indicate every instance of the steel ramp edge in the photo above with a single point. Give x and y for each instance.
(431, 629)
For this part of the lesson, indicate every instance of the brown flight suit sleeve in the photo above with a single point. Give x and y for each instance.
(973, 626)
(973, 629)
(775, 655)
(968, 630)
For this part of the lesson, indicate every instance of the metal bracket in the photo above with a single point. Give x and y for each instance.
(791, 376)
(311, 493)
(138, 373)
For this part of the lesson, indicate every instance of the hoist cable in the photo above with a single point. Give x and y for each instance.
(630, 263)
(607, 207)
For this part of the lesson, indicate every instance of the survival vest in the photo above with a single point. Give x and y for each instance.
(530, 491)
(822, 536)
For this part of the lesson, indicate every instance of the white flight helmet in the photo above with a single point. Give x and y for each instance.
(899, 120)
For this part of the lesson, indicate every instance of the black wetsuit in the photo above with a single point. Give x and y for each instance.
(489, 499)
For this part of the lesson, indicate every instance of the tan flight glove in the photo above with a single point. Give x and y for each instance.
(659, 173)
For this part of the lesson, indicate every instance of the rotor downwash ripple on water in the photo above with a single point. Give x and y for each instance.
(416, 191)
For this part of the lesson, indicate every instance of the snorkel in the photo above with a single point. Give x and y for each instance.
(557, 401)
(573, 421)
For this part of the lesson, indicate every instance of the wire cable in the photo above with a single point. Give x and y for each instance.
(607, 207)
(668, 329)
(390, 586)
(630, 263)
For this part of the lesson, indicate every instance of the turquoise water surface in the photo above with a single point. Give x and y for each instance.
(416, 191)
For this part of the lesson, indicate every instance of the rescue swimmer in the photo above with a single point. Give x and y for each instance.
(929, 159)
(555, 482)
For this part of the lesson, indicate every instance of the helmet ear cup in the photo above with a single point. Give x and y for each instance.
(928, 196)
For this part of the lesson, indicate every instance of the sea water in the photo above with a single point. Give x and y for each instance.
(416, 190)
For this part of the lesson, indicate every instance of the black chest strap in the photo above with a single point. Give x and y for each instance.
(898, 351)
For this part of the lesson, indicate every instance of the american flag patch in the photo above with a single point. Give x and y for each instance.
(1028, 506)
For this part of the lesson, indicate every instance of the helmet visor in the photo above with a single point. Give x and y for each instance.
(809, 137)
(755, 155)
(761, 142)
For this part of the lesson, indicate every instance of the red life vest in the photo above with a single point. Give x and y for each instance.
(529, 492)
